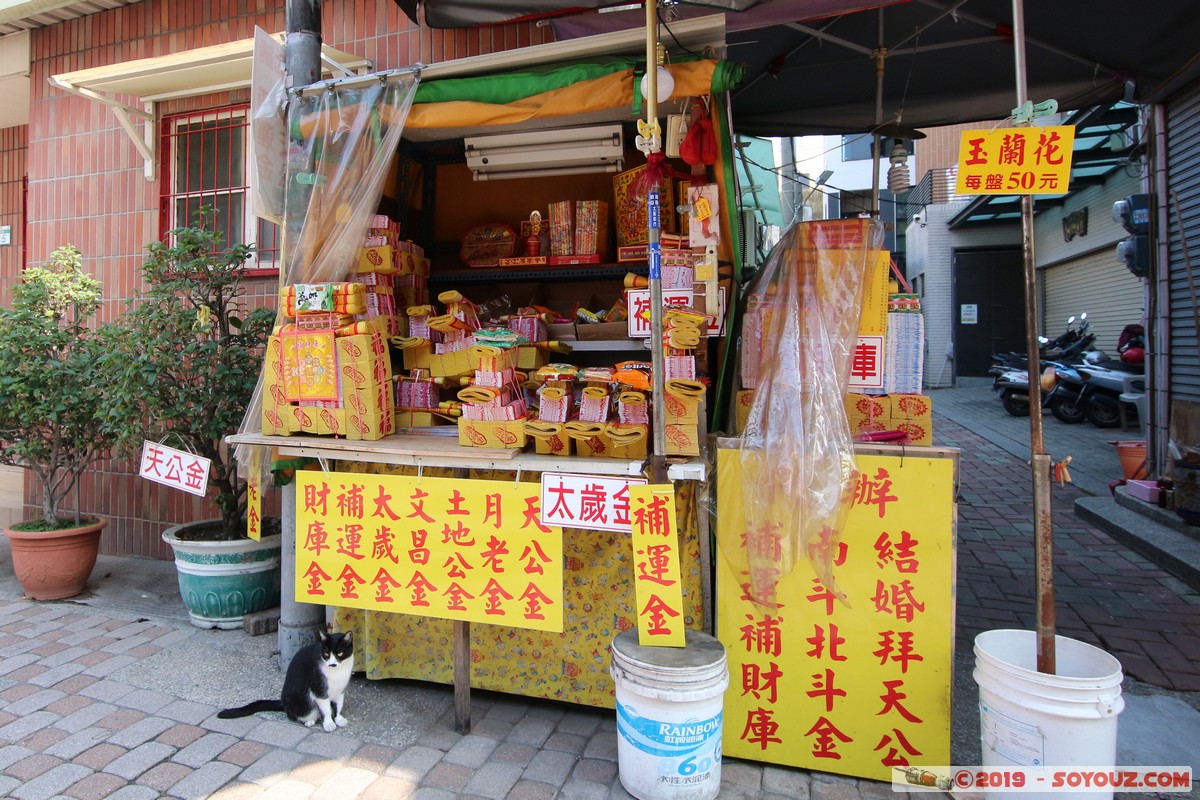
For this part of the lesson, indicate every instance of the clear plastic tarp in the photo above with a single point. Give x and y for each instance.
(342, 137)
(797, 456)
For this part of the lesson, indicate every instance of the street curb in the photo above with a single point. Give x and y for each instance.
(1175, 552)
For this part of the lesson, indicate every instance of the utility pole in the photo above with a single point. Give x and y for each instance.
(298, 622)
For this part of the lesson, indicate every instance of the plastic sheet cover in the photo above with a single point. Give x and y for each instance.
(343, 136)
(797, 455)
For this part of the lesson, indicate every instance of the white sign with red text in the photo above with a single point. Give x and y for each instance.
(176, 468)
(594, 502)
(639, 309)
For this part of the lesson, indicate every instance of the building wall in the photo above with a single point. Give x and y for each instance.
(931, 247)
(87, 188)
(12, 205)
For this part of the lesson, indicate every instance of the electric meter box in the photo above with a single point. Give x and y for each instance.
(1133, 213)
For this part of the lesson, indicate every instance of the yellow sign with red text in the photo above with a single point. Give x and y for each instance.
(853, 689)
(1016, 160)
(438, 547)
(657, 585)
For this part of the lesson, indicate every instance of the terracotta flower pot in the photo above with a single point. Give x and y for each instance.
(51, 565)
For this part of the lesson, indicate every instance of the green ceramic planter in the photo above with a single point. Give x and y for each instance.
(222, 582)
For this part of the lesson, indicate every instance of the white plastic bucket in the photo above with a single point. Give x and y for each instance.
(669, 706)
(1033, 719)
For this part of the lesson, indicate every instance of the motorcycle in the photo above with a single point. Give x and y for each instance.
(1064, 348)
(1012, 387)
(1103, 384)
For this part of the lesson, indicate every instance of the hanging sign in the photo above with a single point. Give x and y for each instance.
(254, 495)
(854, 688)
(437, 547)
(657, 586)
(1016, 160)
(594, 502)
(639, 309)
(176, 468)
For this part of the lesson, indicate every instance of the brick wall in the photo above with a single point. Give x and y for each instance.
(87, 188)
(12, 206)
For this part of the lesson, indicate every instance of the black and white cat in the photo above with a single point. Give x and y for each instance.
(315, 685)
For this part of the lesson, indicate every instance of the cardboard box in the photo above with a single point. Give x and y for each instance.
(418, 419)
(919, 434)
(741, 410)
(683, 439)
(630, 442)
(606, 331)
(376, 259)
(507, 434)
(1143, 490)
(530, 358)
(549, 439)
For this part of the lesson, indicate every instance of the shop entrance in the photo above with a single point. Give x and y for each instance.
(989, 308)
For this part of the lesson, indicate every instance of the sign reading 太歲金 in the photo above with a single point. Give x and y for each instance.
(853, 689)
(465, 550)
(595, 502)
(1016, 160)
(656, 581)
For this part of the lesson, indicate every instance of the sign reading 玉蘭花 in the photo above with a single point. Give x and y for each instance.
(1016, 160)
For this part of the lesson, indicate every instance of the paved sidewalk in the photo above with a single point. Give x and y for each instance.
(114, 694)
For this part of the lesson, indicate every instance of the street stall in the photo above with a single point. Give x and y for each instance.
(496, 364)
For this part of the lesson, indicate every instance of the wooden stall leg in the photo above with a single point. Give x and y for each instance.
(462, 676)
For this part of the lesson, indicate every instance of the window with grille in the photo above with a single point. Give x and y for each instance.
(206, 162)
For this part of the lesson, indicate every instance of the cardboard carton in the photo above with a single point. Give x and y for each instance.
(507, 434)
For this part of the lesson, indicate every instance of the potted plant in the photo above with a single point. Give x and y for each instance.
(52, 385)
(190, 350)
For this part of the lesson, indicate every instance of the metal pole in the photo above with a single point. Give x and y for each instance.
(298, 622)
(1043, 533)
(879, 55)
(658, 460)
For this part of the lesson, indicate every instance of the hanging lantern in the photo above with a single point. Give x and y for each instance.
(665, 81)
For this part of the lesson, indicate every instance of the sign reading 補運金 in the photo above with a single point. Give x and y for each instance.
(853, 689)
(437, 547)
(657, 586)
(1016, 160)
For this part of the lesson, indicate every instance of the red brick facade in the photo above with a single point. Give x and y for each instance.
(86, 185)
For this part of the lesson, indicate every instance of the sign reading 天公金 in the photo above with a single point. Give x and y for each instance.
(657, 586)
(1016, 160)
(176, 468)
(438, 547)
(853, 690)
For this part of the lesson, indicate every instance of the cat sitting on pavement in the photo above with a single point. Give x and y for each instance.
(315, 685)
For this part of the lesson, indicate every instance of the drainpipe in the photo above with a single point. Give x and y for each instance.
(298, 622)
(1158, 381)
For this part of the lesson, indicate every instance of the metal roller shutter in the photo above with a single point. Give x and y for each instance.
(1183, 176)
(1100, 285)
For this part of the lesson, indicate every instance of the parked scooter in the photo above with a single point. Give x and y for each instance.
(1012, 387)
(1103, 384)
(1064, 348)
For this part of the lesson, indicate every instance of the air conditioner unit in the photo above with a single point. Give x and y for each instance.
(560, 151)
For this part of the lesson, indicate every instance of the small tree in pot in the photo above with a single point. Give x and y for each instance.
(53, 382)
(190, 351)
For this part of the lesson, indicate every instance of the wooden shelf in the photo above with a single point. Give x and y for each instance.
(571, 273)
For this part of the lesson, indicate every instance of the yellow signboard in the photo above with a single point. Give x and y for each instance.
(853, 689)
(657, 586)
(1016, 160)
(438, 547)
(254, 495)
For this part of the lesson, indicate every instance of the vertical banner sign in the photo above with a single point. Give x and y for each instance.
(853, 689)
(657, 586)
(176, 468)
(254, 495)
(438, 547)
(1016, 160)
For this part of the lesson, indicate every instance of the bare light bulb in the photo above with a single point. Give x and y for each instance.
(666, 84)
(897, 177)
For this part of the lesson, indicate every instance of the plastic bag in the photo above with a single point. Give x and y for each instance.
(797, 455)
